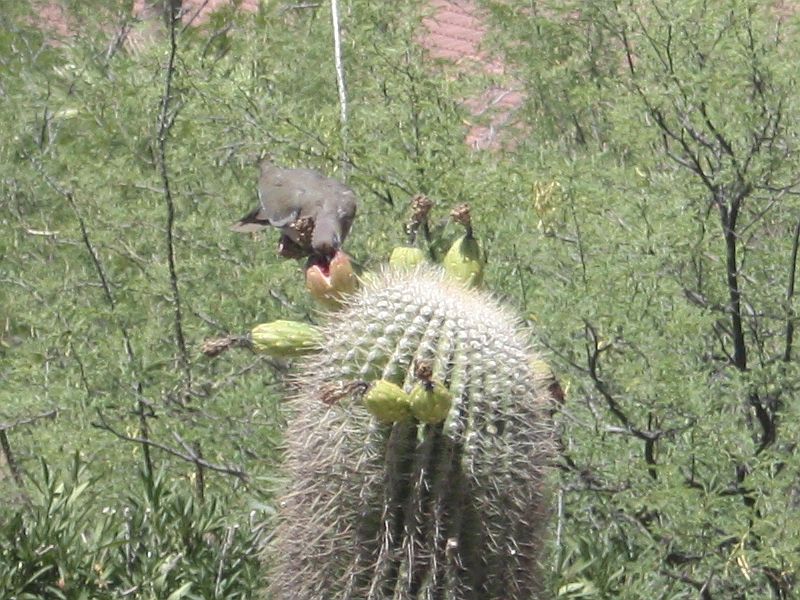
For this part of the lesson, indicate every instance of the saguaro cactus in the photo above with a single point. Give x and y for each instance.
(409, 510)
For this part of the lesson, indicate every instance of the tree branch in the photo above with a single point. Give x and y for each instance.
(5, 445)
(189, 454)
(787, 351)
(165, 122)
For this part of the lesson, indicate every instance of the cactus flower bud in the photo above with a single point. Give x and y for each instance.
(285, 339)
(328, 281)
(430, 402)
(387, 402)
(464, 261)
(406, 257)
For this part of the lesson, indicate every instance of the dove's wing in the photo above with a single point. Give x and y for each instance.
(283, 196)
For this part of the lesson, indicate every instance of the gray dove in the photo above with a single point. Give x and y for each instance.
(313, 212)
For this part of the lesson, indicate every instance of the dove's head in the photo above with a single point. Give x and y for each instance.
(332, 224)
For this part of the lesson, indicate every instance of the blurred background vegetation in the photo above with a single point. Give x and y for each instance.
(643, 220)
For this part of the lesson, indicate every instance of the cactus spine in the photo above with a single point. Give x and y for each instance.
(409, 510)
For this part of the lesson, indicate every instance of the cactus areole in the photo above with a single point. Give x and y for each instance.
(452, 508)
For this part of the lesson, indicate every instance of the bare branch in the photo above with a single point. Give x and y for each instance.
(593, 351)
(787, 351)
(11, 461)
(166, 119)
(721, 139)
(189, 455)
(5, 444)
(690, 160)
(50, 414)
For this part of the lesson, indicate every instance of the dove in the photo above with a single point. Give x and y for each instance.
(313, 212)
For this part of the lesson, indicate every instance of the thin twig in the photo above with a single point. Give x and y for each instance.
(50, 414)
(176, 6)
(165, 121)
(787, 352)
(559, 527)
(230, 532)
(5, 445)
(189, 455)
(200, 479)
(10, 460)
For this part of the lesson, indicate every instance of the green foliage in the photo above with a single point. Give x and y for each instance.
(157, 542)
(679, 431)
(672, 132)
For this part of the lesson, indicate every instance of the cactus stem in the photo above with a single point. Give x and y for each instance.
(410, 510)
(461, 215)
(420, 207)
(216, 346)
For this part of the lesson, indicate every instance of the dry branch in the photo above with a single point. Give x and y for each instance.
(166, 118)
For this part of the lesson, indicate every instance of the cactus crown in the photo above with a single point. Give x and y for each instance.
(400, 317)
(409, 510)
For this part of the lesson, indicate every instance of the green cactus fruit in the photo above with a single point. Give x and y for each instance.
(406, 257)
(430, 402)
(464, 261)
(387, 402)
(285, 339)
(410, 511)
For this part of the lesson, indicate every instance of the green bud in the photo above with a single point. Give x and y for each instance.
(285, 339)
(430, 402)
(387, 402)
(406, 257)
(464, 261)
